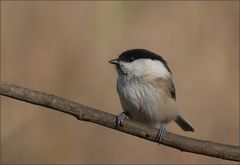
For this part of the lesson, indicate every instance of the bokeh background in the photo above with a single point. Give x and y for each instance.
(63, 48)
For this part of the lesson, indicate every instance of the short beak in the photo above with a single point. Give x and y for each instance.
(114, 61)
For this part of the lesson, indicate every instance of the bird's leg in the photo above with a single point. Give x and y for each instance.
(120, 118)
(161, 132)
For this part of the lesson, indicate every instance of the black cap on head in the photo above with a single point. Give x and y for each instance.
(134, 54)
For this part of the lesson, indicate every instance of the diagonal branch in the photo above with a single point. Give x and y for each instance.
(89, 114)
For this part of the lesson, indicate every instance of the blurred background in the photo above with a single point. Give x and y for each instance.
(63, 48)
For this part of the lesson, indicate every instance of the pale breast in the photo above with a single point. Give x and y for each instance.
(144, 102)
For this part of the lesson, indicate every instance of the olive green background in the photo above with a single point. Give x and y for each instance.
(63, 48)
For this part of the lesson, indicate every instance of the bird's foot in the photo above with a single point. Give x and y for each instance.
(120, 118)
(161, 132)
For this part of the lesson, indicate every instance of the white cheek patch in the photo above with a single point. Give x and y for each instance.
(143, 67)
(157, 68)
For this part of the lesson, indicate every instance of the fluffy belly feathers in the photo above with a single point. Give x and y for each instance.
(145, 104)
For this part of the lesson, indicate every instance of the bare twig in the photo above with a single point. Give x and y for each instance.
(85, 113)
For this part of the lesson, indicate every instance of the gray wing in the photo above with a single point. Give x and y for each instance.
(172, 90)
(166, 84)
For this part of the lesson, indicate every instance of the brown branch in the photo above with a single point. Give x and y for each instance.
(85, 113)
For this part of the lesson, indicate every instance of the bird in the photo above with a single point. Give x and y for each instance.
(146, 91)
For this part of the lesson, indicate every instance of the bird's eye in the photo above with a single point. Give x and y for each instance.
(131, 59)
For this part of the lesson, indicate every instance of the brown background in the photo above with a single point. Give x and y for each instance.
(63, 48)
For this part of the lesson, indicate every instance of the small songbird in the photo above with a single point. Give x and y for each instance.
(146, 91)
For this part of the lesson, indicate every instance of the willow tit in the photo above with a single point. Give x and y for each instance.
(146, 90)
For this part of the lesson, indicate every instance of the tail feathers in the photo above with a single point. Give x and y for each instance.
(185, 125)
